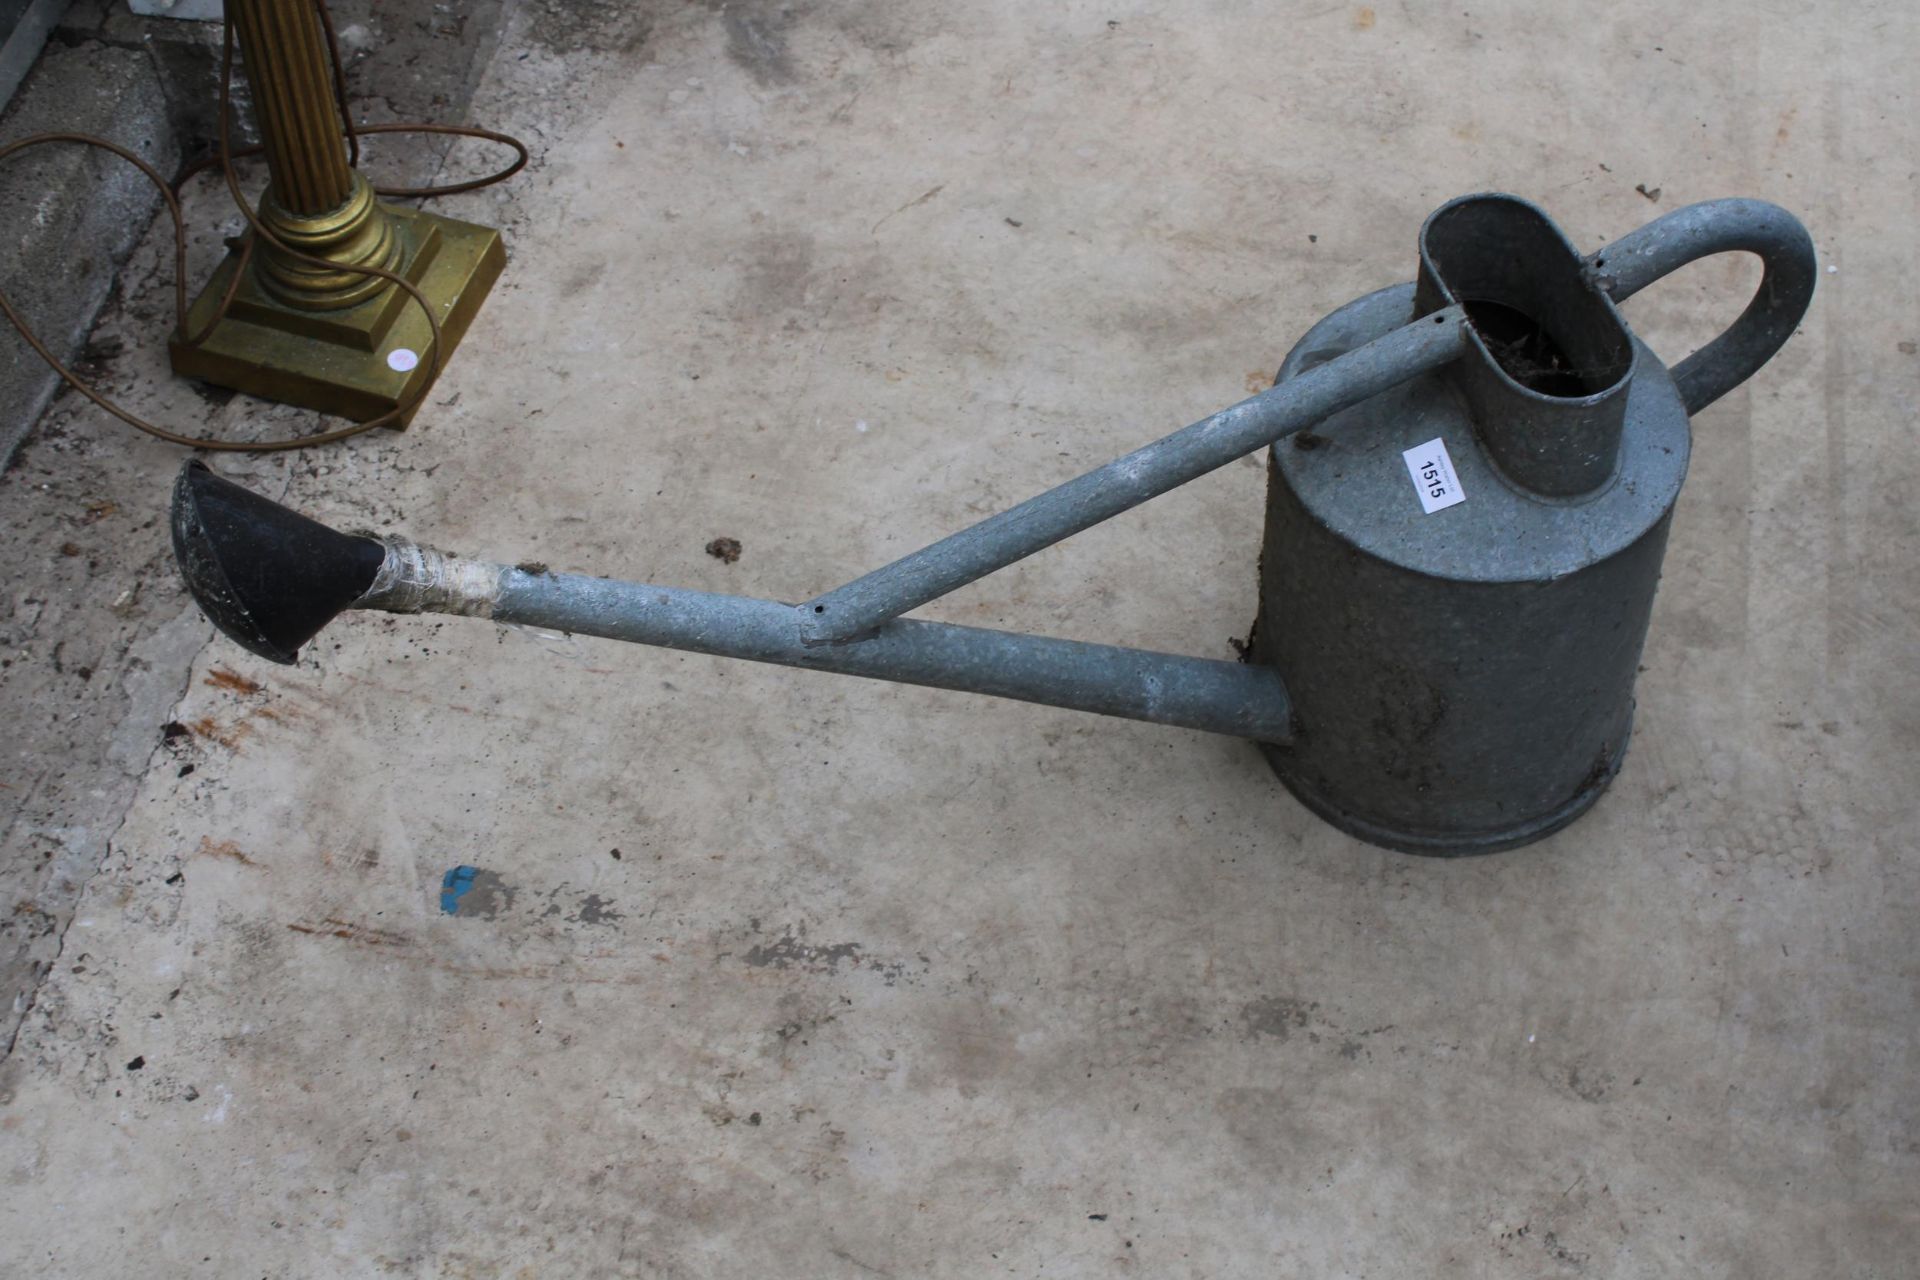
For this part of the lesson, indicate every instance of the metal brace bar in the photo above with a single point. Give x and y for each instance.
(852, 612)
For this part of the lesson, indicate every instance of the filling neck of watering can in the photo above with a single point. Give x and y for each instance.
(1549, 361)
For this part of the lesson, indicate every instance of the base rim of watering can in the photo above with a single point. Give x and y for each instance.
(1428, 844)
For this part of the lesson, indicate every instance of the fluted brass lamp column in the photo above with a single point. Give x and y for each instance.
(326, 337)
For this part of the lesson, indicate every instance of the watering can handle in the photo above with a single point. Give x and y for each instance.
(1666, 244)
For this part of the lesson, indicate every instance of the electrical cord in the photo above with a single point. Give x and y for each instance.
(224, 158)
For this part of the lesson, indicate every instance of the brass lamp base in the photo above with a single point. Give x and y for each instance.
(358, 361)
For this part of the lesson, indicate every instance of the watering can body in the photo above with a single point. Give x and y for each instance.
(1458, 574)
(1462, 680)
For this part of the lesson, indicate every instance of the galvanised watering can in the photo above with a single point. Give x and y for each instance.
(1468, 498)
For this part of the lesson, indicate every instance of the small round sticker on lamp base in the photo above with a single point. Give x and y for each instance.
(402, 360)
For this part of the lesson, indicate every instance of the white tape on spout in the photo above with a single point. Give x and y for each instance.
(417, 579)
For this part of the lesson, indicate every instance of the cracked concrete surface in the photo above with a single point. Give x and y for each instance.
(91, 663)
(772, 971)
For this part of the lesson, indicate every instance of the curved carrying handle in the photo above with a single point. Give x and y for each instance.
(1666, 244)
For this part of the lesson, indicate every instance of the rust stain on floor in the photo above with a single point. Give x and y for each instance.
(228, 736)
(347, 930)
(233, 681)
(211, 848)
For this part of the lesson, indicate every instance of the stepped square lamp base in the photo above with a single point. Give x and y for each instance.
(357, 362)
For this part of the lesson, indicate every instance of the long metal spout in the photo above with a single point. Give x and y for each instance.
(271, 578)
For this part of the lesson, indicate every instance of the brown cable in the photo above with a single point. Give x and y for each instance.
(225, 158)
(199, 167)
(353, 133)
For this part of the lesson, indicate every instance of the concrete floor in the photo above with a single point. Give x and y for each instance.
(771, 972)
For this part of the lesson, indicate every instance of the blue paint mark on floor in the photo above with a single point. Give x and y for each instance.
(453, 885)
